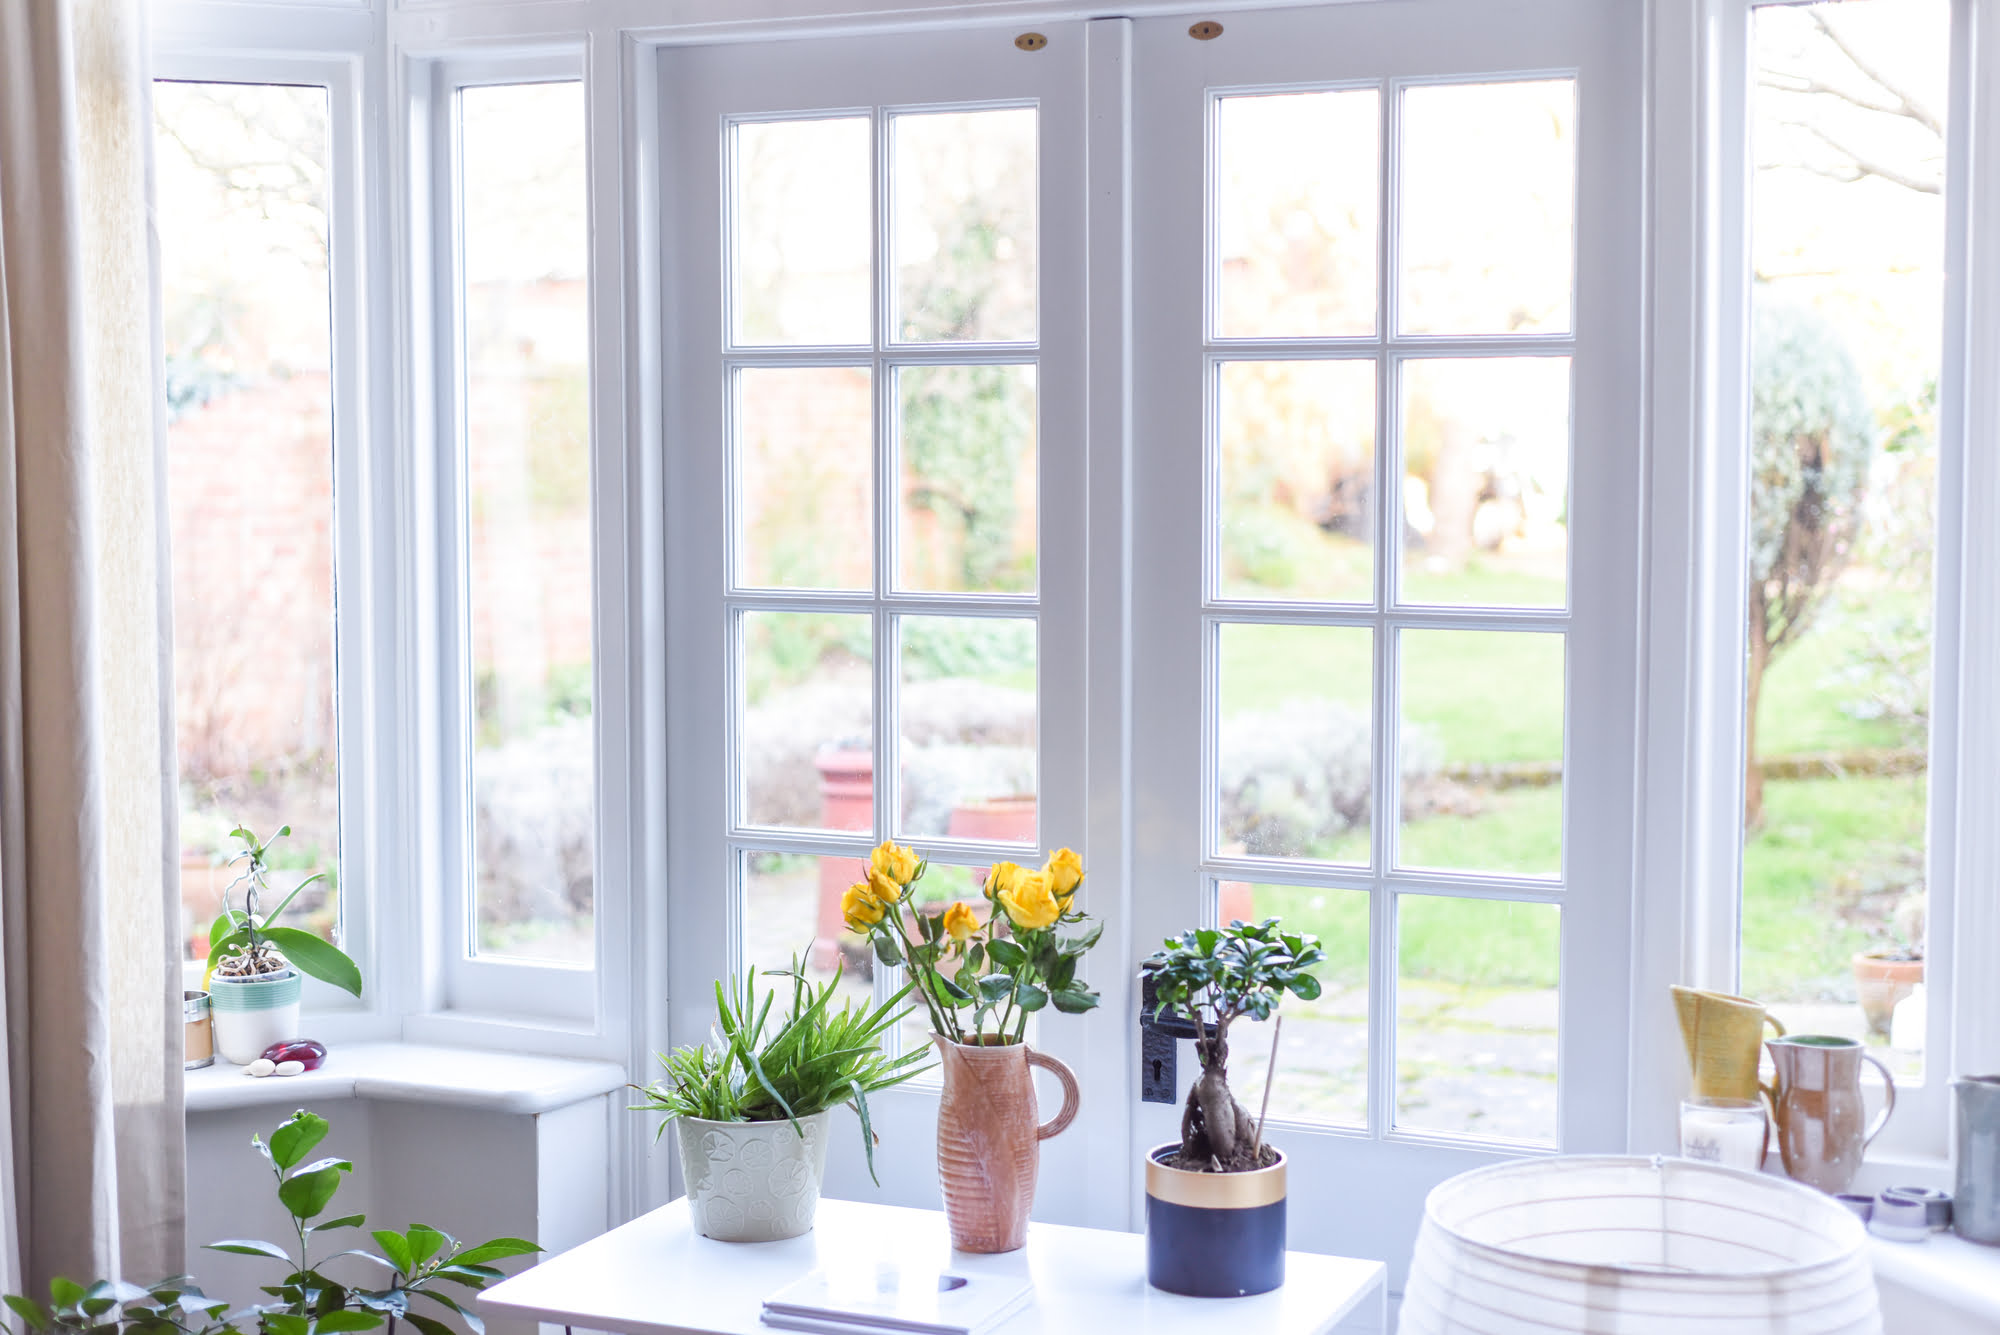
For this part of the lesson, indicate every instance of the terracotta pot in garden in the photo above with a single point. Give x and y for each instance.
(989, 1142)
(995, 819)
(1881, 981)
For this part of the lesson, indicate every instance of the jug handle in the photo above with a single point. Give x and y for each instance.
(1775, 1023)
(1072, 1096)
(1888, 1102)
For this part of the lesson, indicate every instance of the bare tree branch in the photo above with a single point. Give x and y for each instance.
(1911, 106)
(1859, 166)
(1785, 81)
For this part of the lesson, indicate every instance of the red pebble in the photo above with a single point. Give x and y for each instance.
(304, 1051)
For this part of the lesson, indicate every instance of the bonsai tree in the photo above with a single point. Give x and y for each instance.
(244, 943)
(415, 1263)
(1214, 977)
(815, 1058)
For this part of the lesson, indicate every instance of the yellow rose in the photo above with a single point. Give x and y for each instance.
(860, 907)
(1065, 873)
(895, 862)
(1029, 902)
(1000, 878)
(960, 921)
(884, 889)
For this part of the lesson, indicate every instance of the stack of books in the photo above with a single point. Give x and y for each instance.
(893, 1299)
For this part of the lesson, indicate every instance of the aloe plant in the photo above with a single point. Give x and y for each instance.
(815, 1058)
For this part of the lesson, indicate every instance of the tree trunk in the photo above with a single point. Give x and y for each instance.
(1753, 691)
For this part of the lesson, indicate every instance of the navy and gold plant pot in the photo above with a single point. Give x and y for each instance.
(1214, 1235)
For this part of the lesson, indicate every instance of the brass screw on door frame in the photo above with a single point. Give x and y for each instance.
(1031, 41)
(1205, 31)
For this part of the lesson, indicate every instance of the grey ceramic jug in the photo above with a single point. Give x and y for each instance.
(1975, 1207)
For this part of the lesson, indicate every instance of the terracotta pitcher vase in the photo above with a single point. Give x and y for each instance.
(989, 1139)
(1724, 1037)
(1817, 1108)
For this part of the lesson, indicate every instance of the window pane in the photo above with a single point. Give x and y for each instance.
(1297, 189)
(1486, 481)
(1482, 751)
(1476, 1008)
(1847, 237)
(1298, 480)
(1488, 191)
(967, 475)
(527, 443)
(807, 478)
(964, 225)
(1295, 758)
(806, 748)
(791, 910)
(1322, 1074)
(241, 178)
(967, 749)
(800, 205)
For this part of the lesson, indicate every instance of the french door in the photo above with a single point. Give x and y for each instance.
(1386, 500)
(875, 390)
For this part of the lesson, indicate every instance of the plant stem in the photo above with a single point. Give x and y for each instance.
(1270, 1081)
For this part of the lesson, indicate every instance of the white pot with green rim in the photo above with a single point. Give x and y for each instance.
(753, 1181)
(253, 1013)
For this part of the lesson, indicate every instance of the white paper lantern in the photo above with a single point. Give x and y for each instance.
(1617, 1246)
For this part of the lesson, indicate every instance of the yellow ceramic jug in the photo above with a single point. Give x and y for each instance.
(1724, 1037)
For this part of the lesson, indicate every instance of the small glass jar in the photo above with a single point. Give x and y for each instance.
(1731, 1132)
(198, 1031)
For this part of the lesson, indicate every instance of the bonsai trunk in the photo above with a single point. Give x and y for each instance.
(1217, 1133)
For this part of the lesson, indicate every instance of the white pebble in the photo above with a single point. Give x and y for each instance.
(262, 1066)
(289, 1068)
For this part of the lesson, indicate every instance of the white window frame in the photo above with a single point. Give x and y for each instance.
(467, 993)
(1692, 878)
(366, 594)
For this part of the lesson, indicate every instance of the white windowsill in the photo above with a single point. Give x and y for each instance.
(1957, 1273)
(413, 1073)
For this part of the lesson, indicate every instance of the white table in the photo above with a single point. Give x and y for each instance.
(657, 1276)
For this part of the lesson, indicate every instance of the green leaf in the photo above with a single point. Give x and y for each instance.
(429, 1325)
(1030, 998)
(317, 957)
(339, 1321)
(425, 1242)
(224, 935)
(976, 956)
(994, 987)
(251, 1247)
(65, 1292)
(29, 1311)
(469, 1317)
(396, 1248)
(1305, 987)
(293, 1141)
(1007, 955)
(306, 1192)
(345, 1221)
(286, 1323)
(498, 1249)
(886, 951)
(1075, 1001)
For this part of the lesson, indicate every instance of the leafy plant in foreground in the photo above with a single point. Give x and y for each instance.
(307, 1302)
(815, 1059)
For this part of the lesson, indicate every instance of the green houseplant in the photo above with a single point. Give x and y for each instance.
(1215, 1199)
(981, 975)
(416, 1263)
(254, 966)
(751, 1107)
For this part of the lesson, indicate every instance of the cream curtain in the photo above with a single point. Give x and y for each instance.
(92, 1160)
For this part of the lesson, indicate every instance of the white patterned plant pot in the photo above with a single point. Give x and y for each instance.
(753, 1181)
(252, 1014)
